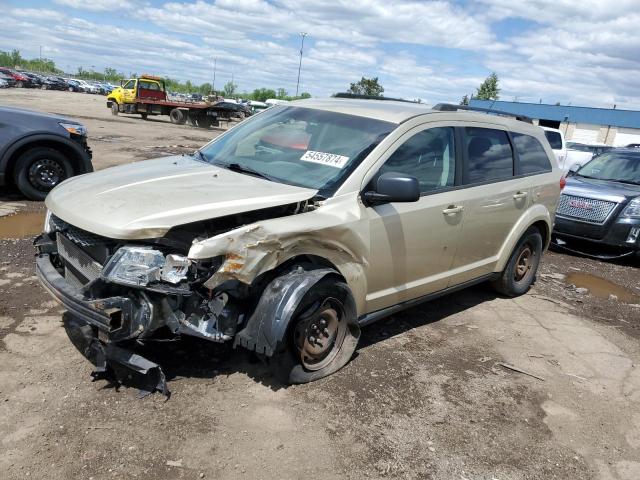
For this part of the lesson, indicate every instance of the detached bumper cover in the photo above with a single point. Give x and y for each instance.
(92, 331)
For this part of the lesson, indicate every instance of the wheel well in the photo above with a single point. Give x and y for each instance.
(543, 228)
(76, 161)
(307, 262)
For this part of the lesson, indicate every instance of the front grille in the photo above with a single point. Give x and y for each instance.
(77, 235)
(78, 260)
(588, 210)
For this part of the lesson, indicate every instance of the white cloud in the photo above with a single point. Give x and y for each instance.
(584, 52)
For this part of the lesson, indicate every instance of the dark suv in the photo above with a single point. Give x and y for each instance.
(600, 205)
(38, 151)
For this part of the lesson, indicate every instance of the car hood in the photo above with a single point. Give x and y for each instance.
(602, 189)
(7, 112)
(146, 199)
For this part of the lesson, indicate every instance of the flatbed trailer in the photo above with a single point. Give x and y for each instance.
(146, 96)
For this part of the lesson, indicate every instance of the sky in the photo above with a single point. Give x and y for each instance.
(583, 52)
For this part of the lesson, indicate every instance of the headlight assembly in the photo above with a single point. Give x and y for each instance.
(633, 209)
(74, 128)
(141, 266)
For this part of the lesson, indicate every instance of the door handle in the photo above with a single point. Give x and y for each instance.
(520, 195)
(453, 209)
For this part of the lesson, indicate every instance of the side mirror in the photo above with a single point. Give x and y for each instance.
(393, 187)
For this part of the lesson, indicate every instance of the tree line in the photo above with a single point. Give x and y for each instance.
(14, 59)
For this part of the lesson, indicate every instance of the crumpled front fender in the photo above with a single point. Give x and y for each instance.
(266, 329)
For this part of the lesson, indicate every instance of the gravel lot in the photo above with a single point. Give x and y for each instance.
(426, 397)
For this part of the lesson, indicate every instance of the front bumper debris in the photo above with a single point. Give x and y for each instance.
(94, 326)
(115, 363)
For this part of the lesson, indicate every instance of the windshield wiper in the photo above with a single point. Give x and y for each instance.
(236, 167)
(198, 153)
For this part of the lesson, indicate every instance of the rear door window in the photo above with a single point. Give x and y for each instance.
(555, 139)
(531, 155)
(489, 155)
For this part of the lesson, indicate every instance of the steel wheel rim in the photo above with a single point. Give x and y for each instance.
(524, 263)
(318, 336)
(45, 173)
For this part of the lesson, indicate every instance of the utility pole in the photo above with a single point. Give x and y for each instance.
(40, 64)
(213, 86)
(302, 34)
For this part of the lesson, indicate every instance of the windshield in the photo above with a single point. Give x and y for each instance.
(299, 146)
(620, 166)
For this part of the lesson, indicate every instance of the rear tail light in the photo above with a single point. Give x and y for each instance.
(563, 183)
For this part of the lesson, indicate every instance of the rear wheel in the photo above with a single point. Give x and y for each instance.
(144, 116)
(40, 169)
(520, 272)
(177, 116)
(323, 335)
(19, 85)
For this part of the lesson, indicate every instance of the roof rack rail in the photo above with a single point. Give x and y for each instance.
(369, 97)
(449, 107)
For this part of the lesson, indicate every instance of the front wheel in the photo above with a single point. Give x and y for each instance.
(520, 272)
(322, 337)
(40, 169)
(114, 108)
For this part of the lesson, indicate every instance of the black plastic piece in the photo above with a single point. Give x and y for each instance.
(449, 107)
(266, 329)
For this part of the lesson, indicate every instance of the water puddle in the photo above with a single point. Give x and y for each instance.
(21, 225)
(602, 288)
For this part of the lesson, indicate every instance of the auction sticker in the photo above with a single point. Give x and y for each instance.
(328, 159)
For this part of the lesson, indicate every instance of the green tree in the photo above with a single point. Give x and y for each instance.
(489, 89)
(367, 86)
(262, 94)
(465, 100)
(281, 93)
(205, 89)
(305, 95)
(229, 89)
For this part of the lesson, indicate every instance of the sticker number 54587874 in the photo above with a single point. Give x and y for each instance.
(328, 159)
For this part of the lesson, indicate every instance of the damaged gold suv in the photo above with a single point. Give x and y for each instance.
(289, 232)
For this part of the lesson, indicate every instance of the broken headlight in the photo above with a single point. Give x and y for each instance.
(141, 266)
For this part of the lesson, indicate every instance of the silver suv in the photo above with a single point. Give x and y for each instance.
(291, 231)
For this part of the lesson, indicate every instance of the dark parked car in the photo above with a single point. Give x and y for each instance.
(600, 206)
(54, 83)
(38, 151)
(33, 79)
(74, 85)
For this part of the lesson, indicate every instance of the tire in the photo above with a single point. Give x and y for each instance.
(329, 301)
(114, 108)
(44, 87)
(203, 122)
(19, 85)
(39, 169)
(520, 272)
(144, 116)
(70, 89)
(177, 116)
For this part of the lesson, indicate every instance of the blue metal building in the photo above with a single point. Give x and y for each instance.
(580, 124)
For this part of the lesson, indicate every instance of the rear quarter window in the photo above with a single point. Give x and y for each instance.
(555, 139)
(531, 155)
(489, 155)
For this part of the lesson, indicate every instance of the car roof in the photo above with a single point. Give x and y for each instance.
(395, 111)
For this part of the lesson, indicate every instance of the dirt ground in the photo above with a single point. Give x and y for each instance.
(426, 397)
